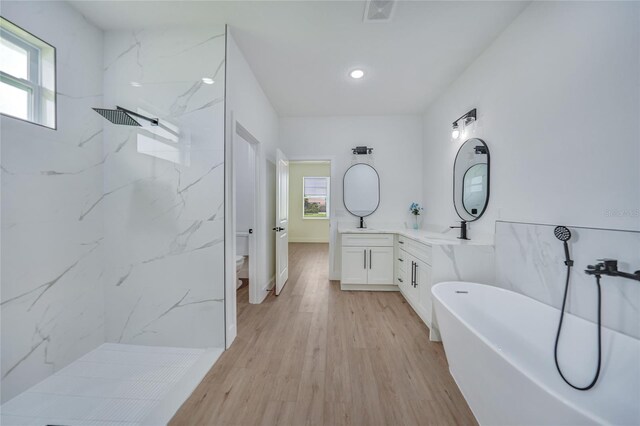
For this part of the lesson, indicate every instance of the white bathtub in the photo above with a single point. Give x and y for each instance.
(499, 345)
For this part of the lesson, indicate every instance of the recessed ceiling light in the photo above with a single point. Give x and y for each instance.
(207, 80)
(356, 74)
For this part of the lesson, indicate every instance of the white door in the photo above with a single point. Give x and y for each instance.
(282, 221)
(354, 265)
(380, 265)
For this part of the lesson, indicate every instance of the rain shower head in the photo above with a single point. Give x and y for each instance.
(562, 233)
(124, 116)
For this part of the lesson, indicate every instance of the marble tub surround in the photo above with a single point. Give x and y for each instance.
(51, 304)
(530, 260)
(164, 188)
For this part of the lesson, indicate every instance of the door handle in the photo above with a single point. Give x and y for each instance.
(365, 258)
(415, 280)
(277, 229)
(251, 230)
(400, 280)
(401, 260)
(370, 261)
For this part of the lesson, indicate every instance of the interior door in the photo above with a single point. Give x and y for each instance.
(282, 221)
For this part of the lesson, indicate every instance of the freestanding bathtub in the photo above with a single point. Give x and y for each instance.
(499, 345)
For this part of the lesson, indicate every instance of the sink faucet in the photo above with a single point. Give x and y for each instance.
(463, 230)
(610, 267)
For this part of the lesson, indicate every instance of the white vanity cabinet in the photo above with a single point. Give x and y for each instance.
(413, 271)
(367, 262)
(412, 262)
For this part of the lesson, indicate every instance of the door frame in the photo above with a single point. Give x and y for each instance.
(333, 220)
(230, 229)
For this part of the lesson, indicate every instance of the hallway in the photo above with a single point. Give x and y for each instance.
(317, 355)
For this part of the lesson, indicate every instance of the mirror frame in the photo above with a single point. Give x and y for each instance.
(343, 192)
(486, 204)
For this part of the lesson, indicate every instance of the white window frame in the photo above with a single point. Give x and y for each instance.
(327, 197)
(33, 83)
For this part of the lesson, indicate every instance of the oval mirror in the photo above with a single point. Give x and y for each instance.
(361, 190)
(471, 180)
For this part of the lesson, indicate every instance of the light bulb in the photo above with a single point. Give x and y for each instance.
(455, 134)
(356, 74)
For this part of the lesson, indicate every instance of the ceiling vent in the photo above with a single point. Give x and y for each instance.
(379, 10)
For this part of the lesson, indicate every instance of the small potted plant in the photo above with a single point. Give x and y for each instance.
(416, 210)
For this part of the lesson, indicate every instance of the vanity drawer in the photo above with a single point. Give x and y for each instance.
(414, 248)
(401, 260)
(367, 240)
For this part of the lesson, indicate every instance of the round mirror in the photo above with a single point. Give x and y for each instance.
(361, 190)
(471, 180)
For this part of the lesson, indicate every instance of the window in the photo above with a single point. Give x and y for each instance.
(27, 76)
(315, 198)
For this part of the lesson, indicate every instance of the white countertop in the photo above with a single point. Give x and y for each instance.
(420, 235)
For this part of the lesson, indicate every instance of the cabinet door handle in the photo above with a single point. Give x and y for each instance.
(413, 273)
(401, 260)
(400, 279)
(365, 258)
(415, 280)
(400, 242)
(370, 260)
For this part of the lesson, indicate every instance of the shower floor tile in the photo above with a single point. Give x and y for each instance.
(114, 384)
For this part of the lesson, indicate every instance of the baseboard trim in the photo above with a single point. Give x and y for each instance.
(272, 283)
(308, 240)
(369, 287)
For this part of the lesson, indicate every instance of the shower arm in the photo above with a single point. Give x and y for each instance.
(153, 121)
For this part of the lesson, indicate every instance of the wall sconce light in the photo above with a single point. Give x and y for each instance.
(455, 133)
(362, 150)
(481, 149)
(467, 119)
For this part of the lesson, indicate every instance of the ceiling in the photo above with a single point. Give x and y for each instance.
(302, 51)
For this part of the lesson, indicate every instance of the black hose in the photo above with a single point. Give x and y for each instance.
(555, 351)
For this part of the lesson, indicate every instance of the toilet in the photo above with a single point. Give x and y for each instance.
(239, 262)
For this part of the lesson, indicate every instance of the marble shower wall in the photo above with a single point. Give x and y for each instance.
(51, 304)
(530, 260)
(164, 188)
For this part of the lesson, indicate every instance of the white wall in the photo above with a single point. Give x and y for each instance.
(397, 158)
(248, 105)
(558, 97)
(52, 300)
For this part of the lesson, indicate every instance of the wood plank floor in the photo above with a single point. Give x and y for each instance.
(316, 355)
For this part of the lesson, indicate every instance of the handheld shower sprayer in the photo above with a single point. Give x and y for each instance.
(563, 234)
